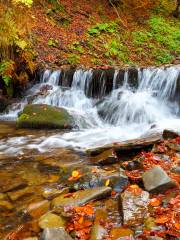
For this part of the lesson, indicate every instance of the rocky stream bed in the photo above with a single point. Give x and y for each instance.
(125, 191)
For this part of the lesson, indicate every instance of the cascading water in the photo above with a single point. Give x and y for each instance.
(127, 112)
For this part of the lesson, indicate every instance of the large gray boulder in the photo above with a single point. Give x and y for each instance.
(42, 116)
(157, 180)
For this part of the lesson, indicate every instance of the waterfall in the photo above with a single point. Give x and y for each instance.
(110, 105)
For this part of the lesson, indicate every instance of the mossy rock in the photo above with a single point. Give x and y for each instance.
(42, 116)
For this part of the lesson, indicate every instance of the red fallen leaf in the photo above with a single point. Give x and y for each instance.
(113, 193)
(162, 219)
(177, 225)
(155, 202)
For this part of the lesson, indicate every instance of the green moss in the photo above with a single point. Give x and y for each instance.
(23, 117)
(44, 116)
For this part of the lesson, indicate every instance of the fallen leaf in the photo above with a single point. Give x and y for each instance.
(154, 202)
(107, 183)
(162, 219)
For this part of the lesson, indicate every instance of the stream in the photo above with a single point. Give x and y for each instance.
(37, 166)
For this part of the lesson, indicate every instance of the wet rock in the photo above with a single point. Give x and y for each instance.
(157, 180)
(20, 193)
(133, 205)
(11, 184)
(42, 116)
(154, 238)
(37, 209)
(93, 177)
(126, 146)
(105, 158)
(132, 165)
(31, 238)
(55, 234)
(50, 193)
(50, 220)
(97, 232)
(3, 103)
(121, 233)
(5, 205)
(170, 134)
(176, 168)
(133, 77)
(3, 196)
(173, 146)
(81, 197)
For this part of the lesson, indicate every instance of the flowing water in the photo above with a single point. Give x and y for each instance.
(128, 111)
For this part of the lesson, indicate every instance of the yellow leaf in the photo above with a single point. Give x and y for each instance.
(75, 174)
(107, 183)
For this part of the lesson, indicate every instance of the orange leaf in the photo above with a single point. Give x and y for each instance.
(177, 225)
(155, 202)
(162, 219)
(81, 220)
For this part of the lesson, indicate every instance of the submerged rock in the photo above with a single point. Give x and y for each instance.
(50, 220)
(81, 197)
(157, 180)
(55, 234)
(20, 193)
(44, 116)
(5, 205)
(133, 205)
(37, 209)
(50, 193)
(11, 184)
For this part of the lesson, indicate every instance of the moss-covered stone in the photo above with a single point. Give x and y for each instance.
(44, 116)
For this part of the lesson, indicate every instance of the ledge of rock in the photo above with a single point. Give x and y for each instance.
(125, 146)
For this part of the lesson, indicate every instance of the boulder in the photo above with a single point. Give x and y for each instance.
(55, 234)
(156, 180)
(81, 197)
(134, 205)
(43, 116)
(51, 220)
